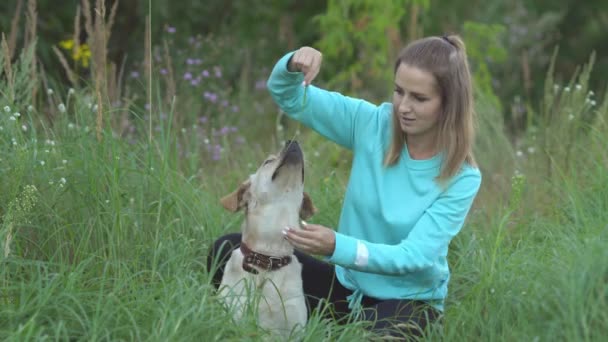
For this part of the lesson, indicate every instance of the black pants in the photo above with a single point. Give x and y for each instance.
(397, 317)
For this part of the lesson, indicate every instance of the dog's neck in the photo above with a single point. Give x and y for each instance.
(263, 232)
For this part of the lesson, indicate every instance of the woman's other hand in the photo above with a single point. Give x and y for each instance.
(308, 61)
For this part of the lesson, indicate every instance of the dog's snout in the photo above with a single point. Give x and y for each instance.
(292, 152)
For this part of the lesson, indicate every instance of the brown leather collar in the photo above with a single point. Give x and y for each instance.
(262, 261)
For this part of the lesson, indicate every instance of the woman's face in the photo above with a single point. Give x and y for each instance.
(416, 101)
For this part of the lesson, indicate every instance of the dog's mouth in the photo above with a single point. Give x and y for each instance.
(291, 155)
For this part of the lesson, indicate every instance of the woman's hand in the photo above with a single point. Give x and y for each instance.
(308, 61)
(312, 239)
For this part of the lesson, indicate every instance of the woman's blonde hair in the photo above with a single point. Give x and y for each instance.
(444, 57)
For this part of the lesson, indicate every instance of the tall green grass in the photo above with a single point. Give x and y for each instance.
(106, 239)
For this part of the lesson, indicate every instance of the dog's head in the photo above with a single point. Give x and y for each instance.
(277, 183)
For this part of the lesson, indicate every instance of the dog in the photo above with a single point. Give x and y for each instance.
(272, 198)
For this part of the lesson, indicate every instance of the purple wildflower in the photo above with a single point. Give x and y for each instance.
(163, 71)
(205, 73)
(171, 29)
(203, 119)
(187, 76)
(210, 96)
(218, 72)
(134, 74)
(240, 140)
(225, 130)
(235, 108)
(224, 103)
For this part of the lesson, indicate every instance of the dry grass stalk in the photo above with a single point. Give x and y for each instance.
(8, 240)
(111, 20)
(71, 75)
(8, 69)
(12, 37)
(31, 24)
(76, 37)
(88, 20)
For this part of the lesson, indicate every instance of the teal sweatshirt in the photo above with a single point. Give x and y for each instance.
(396, 222)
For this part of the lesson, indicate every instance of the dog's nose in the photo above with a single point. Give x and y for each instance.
(292, 152)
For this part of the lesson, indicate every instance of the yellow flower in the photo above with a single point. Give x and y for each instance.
(81, 54)
(67, 44)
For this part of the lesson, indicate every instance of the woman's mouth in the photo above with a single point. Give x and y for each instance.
(406, 121)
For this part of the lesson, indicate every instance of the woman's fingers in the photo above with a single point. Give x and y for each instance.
(308, 61)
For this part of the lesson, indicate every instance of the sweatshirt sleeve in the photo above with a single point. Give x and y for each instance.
(337, 117)
(428, 239)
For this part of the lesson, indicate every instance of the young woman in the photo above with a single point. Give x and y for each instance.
(412, 183)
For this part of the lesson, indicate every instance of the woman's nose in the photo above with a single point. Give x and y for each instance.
(405, 105)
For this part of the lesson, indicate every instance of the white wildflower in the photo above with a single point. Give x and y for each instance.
(49, 91)
(570, 117)
(30, 108)
(531, 149)
(519, 153)
(42, 162)
(184, 130)
(61, 108)
(593, 103)
(577, 87)
(94, 108)
(24, 128)
(7, 109)
(206, 141)
(47, 151)
(1, 128)
(62, 180)
(107, 201)
(70, 126)
(591, 93)
(17, 114)
(567, 89)
(51, 182)
(64, 162)
(279, 128)
(71, 91)
(316, 154)
(12, 118)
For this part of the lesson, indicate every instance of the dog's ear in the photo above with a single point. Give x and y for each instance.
(237, 199)
(308, 208)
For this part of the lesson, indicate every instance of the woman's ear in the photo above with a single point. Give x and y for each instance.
(237, 199)
(307, 209)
